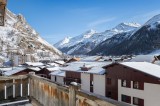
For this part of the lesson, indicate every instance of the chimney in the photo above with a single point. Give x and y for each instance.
(84, 68)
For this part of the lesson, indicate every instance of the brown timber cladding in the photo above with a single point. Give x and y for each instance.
(72, 77)
(118, 71)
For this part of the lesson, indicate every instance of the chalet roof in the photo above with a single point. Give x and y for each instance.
(60, 62)
(148, 68)
(143, 58)
(96, 67)
(34, 68)
(34, 63)
(90, 58)
(53, 64)
(12, 70)
(58, 73)
(53, 68)
(95, 58)
(73, 59)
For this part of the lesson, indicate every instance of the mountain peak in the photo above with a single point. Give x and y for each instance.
(91, 31)
(88, 33)
(66, 40)
(153, 20)
(126, 27)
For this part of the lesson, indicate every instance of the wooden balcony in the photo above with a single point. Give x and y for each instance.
(43, 92)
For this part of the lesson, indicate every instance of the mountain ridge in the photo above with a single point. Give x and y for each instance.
(80, 45)
(19, 37)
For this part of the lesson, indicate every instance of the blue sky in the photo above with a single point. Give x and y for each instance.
(56, 19)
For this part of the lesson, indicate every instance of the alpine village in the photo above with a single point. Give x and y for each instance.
(117, 67)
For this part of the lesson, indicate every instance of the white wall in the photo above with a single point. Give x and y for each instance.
(150, 94)
(60, 79)
(16, 60)
(99, 84)
(85, 82)
(52, 78)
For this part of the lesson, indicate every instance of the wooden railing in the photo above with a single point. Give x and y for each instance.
(43, 92)
(13, 88)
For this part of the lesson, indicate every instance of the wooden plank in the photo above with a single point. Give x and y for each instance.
(99, 100)
(50, 83)
(13, 77)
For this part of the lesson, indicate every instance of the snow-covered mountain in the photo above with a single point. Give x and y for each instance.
(143, 40)
(87, 41)
(125, 27)
(19, 37)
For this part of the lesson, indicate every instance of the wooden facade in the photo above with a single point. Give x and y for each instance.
(43, 72)
(23, 72)
(72, 76)
(118, 71)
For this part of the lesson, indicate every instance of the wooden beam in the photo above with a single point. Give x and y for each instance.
(3, 78)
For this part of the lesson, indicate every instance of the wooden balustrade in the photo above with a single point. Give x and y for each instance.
(43, 92)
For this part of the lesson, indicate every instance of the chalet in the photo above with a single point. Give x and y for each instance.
(46, 72)
(18, 70)
(34, 64)
(59, 62)
(58, 77)
(136, 83)
(74, 59)
(88, 74)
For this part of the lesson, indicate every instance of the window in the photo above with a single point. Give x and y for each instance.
(124, 83)
(135, 101)
(138, 85)
(138, 101)
(126, 98)
(91, 83)
(109, 81)
(91, 86)
(135, 85)
(55, 78)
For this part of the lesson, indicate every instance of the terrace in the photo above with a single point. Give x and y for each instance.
(42, 92)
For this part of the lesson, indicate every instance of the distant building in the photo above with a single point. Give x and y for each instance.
(90, 75)
(58, 77)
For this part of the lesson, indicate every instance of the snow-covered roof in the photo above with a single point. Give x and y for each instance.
(90, 58)
(58, 73)
(148, 68)
(34, 68)
(11, 72)
(53, 64)
(96, 67)
(53, 68)
(144, 58)
(5, 68)
(34, 63)
(60, 62)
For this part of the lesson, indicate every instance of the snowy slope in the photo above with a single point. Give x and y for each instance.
(153, 20)
(88, 40)
(125, 27)
(69, 41)
(142, 40)
(19, 37)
